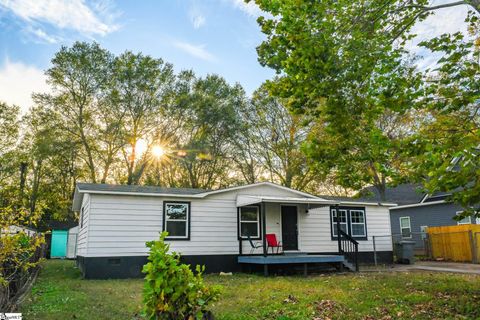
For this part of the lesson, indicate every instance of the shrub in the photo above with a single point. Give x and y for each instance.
(19, 256)
(172, 291)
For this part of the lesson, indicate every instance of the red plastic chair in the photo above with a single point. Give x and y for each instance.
(272, 242)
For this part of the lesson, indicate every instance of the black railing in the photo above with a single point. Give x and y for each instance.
(348, 247)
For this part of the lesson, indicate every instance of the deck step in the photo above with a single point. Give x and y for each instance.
(349, 265)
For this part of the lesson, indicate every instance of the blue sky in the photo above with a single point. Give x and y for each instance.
(208, 36)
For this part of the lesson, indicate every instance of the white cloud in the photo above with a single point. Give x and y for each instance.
(198, 51)
(196, 18)
(198, 21)
(249, 8)
(42, 35)
(65, 14)
(18, 81)
(447, 20)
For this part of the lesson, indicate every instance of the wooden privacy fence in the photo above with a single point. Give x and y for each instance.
(455, 243)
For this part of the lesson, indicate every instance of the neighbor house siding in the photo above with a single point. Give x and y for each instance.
(432, 216)
(82, 237)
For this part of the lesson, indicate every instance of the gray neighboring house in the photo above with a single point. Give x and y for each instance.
(417, 210)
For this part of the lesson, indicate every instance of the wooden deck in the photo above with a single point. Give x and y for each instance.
(304, 259)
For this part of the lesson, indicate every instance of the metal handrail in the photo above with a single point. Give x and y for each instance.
(348, 247)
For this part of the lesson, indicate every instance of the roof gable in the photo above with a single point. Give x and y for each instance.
(244, 188)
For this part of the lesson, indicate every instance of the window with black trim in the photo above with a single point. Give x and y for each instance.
(176, 219)
(357, 223)
(353, 222)
(249, 222)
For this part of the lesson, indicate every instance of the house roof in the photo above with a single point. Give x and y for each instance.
(437, 196)
(358, 201)
(403, 194)
(114, 188)
(134, 190)
(83, 188)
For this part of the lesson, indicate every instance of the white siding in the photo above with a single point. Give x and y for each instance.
(82, 236)
(120, 225)
(315, 231)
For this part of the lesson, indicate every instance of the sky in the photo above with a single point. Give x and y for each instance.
(207, 36)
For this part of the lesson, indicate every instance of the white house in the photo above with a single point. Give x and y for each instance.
(212, 227)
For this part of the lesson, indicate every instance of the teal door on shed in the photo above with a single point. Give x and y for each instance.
(59, 244)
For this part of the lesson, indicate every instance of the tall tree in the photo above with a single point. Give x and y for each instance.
(211, 125)
(51, 164)
(340, 66)
(142, 86)
(10, 162)
(80, 76)
(9, 132)
(448, 145)
(278, 136)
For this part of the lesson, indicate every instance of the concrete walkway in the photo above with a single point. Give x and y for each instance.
(447, 267)
(436, 266)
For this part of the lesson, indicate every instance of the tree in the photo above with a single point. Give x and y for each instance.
(212, 123)
(9, 132)
(277, 136)
(80, 77)
(340, 66)
(142, 87)
(447, 148)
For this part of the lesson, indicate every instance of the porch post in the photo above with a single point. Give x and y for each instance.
(337, 210)
(264, 228)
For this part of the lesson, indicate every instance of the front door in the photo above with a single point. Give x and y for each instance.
(289, 228)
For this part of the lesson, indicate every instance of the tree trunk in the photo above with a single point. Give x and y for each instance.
(91, 165)
(35, 186)
(23, 178)
(381, 188)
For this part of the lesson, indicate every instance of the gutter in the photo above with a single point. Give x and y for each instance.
(419, 204)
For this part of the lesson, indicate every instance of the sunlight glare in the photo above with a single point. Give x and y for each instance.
(158, 151)
(141, 147)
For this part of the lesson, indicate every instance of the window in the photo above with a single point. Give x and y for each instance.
(176, 218)
(357, 222)
(343, 221)
(249, 222)
(405, 228)
(352, 221)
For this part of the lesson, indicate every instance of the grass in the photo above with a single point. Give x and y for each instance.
(60, 293)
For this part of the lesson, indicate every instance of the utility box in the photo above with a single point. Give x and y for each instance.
(404, 251)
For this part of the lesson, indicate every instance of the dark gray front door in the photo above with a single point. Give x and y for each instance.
(289, 228)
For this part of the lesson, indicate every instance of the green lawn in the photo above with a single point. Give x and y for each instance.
(60, 293)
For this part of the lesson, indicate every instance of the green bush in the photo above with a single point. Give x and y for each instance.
(172, 291)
